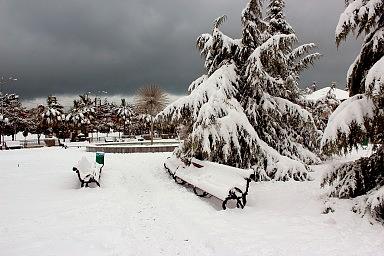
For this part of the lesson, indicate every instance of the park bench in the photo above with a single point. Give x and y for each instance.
(109, 139)
(209, 179)
(88, 172)
(139, 138)
(62, 144)
(13, 145)
(73, 144)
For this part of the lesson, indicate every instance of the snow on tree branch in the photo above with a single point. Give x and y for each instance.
(305, 62)
(271, 47)
(358, 14)
(374, 82)
(301, 51)
(351, 113)
(203, 89)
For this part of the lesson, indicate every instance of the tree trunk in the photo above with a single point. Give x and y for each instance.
(152, 130)
(38, 138)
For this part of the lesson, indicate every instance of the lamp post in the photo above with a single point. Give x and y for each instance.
(105, 98)
(3, 120)
(98, 98)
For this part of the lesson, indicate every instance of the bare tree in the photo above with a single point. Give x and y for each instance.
(150, 100)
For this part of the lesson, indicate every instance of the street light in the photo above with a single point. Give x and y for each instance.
(4, 81)
(97, 98)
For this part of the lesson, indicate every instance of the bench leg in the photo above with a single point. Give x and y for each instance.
(178, 180)
(202, 194)
(235, 194)
(169, 171)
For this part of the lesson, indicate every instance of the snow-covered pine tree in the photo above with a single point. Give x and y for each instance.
(241, 113)
(361, 116)
(273, 100)
(219, 129)
(276, 18)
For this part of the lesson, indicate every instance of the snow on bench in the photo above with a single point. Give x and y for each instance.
(221, 181)
(73, 144)
(109, 139)
(139, 138)
(88, 172)
(13, 145)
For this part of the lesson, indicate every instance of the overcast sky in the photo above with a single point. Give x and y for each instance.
(76, 46)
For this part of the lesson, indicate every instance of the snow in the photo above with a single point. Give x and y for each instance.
(139, 210)
(377, 199)
(322, 93)
(374, 81)
(204, 89)
(84, 164)
(272, 46)
(357, 11)
(219, 119)
(301, 50)
(347, 18)
(12, 144)
(285, 106)
(355, 109)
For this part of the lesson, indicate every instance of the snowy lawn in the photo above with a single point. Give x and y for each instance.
(139, 210)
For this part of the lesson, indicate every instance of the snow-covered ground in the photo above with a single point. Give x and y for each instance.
(139, 210)
(321, 93)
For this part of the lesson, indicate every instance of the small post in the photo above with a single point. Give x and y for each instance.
(100, 157)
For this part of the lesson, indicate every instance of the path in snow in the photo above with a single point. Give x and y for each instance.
(139, 210)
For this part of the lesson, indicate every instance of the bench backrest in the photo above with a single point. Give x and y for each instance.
(13, 144)
(84, 164)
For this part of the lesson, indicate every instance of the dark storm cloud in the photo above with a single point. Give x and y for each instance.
(72, 46)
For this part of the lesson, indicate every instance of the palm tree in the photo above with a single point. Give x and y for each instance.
(81, 114)
(124, 113)
(150, 100)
